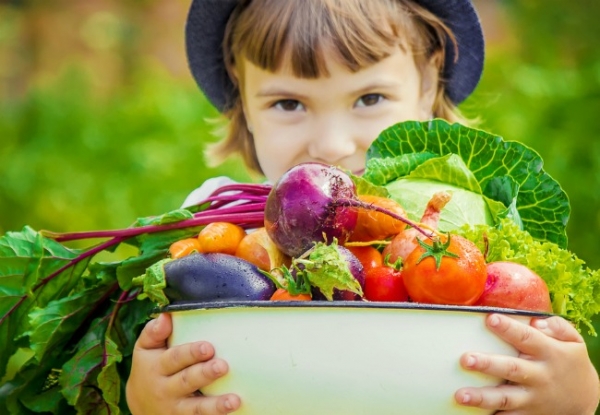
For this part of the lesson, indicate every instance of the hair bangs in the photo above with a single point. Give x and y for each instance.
(305, 33)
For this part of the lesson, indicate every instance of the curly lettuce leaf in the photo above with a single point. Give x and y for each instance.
(542, 206)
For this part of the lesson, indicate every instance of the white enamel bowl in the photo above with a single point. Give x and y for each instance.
(342, 358)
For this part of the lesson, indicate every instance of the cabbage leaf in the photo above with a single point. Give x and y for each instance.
(508, 172)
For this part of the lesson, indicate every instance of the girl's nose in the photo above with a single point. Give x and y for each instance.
(331, 142)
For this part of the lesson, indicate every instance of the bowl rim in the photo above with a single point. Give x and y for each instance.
(210, 305)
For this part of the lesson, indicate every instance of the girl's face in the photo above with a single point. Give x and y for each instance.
(332, 119)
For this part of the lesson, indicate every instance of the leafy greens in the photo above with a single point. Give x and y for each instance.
(74, 319)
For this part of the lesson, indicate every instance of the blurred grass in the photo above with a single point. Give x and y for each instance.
(70, 162)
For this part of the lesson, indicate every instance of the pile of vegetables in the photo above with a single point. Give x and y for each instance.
(433, 195)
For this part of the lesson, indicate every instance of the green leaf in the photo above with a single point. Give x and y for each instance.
(448, 173)
(109, 381)
(505, 190)
(135, 266)
(55, 323)
(364, 187)
(47, 398)
(78, 376)
(449, 169)
(16, 395)
(327, 269)
(464, 207)
(130, 320)
(383, 170)
(153, 282)
(164, 219)
(541, 203)
(26, 259)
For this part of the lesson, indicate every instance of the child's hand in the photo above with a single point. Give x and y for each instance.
(552, 375)
(165, 381)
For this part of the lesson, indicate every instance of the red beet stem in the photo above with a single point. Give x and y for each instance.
(369, 206)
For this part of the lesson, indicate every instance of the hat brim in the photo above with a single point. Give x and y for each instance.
(205, 30)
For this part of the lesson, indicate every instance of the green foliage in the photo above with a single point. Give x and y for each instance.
(73, 318)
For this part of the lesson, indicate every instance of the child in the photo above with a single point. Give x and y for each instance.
(318, 80)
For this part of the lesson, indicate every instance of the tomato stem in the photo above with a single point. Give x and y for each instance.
(437, 250)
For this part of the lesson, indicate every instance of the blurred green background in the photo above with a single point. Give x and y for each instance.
(101, 123)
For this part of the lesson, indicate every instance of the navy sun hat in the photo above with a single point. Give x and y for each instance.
(205, 30)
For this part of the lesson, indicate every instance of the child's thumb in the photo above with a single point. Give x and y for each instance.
(155, 333)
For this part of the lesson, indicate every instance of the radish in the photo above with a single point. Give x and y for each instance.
(512, 285)
(314, 202)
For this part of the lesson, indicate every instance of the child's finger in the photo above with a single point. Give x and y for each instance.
(195, 377)
(522, 336)
(519, 371)
(155, 333)
(208, 405)
(178, 358)
(501, 398)
(557, 328)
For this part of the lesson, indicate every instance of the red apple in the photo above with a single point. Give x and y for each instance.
(512, 285)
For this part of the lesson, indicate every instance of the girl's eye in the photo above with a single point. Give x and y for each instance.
(288, 105)
(369, 100)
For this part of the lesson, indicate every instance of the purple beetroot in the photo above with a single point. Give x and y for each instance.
(309, 204)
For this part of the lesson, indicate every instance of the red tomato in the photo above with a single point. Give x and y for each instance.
(384, 283)
(445, 272)
(368, 256)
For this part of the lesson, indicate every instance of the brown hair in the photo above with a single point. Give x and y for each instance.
(362, 32)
